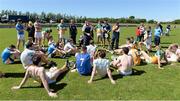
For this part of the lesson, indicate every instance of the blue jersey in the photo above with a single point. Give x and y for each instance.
(18, 28)
(51, 48)
(157, 32)
(5, 54)
(83, 64)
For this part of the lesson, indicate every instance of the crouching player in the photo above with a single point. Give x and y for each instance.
(9, 54)
(42, 76)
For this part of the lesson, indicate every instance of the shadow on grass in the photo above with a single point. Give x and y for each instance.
(16, 62)
(55, 87)
(118, 76)
(14, 75)
(135, 73)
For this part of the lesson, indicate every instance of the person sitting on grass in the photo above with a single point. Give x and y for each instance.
(101, 65)
(28, 53)
(128, 44)
(69, 47)
(156, 59)
(123, 63)
(83, 63)
(91, 49)
(57, 49)
(10, 54)
(42, 76)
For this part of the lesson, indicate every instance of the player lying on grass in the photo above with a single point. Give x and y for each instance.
(123, 63)
(101, 66)
(173, 53)
(156, 59)
(42, 76)
(10, 54)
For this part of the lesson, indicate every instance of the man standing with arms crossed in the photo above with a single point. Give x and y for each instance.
(20, 33)
(38, 34)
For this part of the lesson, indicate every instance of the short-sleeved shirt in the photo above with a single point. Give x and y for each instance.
(51, 48)
(160, 54)
(106, 28)
(73, 29)
(61, 28)
(83, 64)
(101, 66)
(99, 28)
(18, 28)
(68, 46)
(5, 54)
(91, 50)
(26, 57)
(157, 32)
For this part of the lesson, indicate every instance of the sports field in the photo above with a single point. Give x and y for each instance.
(148, 82)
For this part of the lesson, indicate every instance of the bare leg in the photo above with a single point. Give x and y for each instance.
(57, 72)
(146, 56)
(18, 42)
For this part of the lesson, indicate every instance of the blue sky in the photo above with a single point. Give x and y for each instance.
(161, 10)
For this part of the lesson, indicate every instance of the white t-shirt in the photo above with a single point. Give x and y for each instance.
(68, 46)
(101, 66)
(91, 50)
(26, 57)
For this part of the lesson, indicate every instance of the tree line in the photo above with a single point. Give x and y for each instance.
(47, 17)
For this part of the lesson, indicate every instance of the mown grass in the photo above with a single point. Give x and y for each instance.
(148, 83)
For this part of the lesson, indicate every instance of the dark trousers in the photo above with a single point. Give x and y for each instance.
(115, 39)
(73, 37)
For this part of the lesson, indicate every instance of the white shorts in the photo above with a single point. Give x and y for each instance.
(125, 73)
(38, 35)
(49, 76)
(61, 36)
(20, 37)
(99, 35)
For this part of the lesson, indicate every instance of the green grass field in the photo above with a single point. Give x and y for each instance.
(148, 83)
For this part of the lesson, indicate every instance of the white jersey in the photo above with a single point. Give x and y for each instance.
(101, 66)
(26, 57)
(91, 50)
(68, 46)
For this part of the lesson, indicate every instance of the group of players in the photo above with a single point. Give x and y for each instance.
(90, 59)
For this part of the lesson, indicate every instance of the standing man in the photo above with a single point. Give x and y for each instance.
(98, 29)
(73, 31)
(142, 31)
(161, 27)
(115, 36)
(157, 35)
(20, 33)
(38, 34)
(87, 29)
(106, 32)
(61, 30)
(30, 29)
